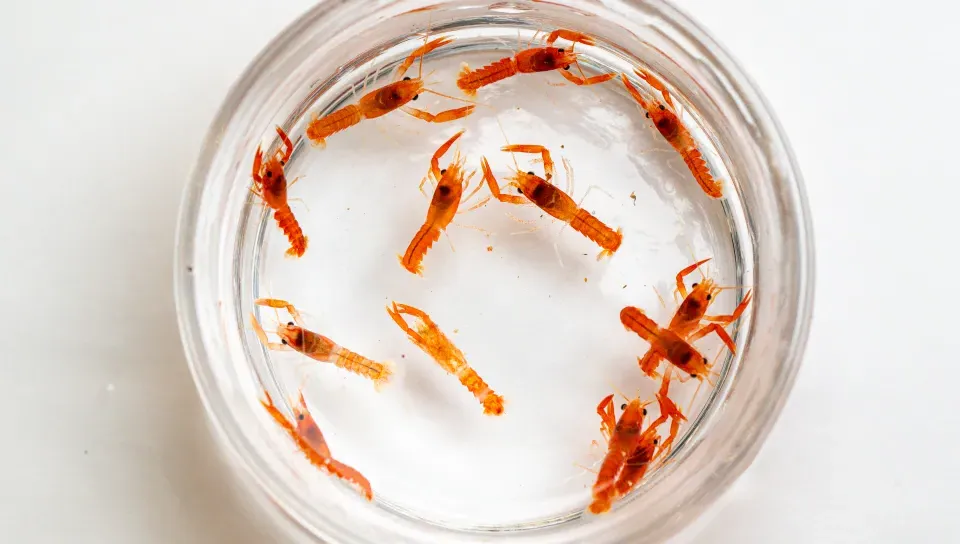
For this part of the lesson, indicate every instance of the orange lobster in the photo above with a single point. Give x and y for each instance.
(270, 184)
(534, 59)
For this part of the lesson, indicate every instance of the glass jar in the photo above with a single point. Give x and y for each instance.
(221, 256)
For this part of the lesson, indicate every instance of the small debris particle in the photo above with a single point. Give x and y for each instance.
(584, 280)
(633, 196)
(561, 146)
(84, 452)
(348, 209)
(403, 356)
(110, 387)
(456, 331)
(189, 269)
(624, 286)
(541, 216)
(584, 254)
(489, 248)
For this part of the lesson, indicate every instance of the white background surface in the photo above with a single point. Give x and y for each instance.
(103, 105)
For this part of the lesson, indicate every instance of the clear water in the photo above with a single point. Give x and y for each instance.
(535, 313)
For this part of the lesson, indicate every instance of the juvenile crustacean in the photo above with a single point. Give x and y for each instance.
(623, 437)
(428, 337)
(295, 337)
(532, 60)
(665, 118)
(386, 99)
(631, 452)
(687, 321)
(446, 200)
(307, 436)
(551, 199)
(270, 184)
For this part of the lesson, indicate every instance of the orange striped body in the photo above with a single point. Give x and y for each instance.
(558, 204)
(428, 337)
(320, 129)
(320, 348)
(309, 440)
(623, 441)
(492, 403)
(291, 228)
(423, 240)
(528, 61)
(636, 465)
(358, 364)
(443, 208)
(669, 126)
(469, 81)
(598, 232)
(665, 343)
(270, 184)
(698, 167)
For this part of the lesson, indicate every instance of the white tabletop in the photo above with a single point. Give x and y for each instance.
(104, 105)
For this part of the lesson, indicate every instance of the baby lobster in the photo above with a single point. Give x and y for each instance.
(308, 438)
(552, 200)
(623, 440)
(686, 321)
(386, 99)
(294, 337)
(626, 467)
(528, 61)
(270, 184)
(677, 135)
(428, 337)
(443, 207)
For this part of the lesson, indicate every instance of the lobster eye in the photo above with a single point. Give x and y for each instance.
(290, 323)
(704, 360)
(283, 341)
(567, 67)
(444, 171)
(406, 78)
(520, 190)
(662, 108)
(560, 50)
(648, 115)
(269, 174)
(416, 96)
(693, 375)
(530, 173)
(694, 285)
(623, 406)
(301, 417)
(644, 411)
(656, 441)
(709, 296)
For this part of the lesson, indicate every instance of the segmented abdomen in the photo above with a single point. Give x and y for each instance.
(492, 402)
(358, 364)
(469, 81)
(288, 223)
(336, 468)
(635, 320)
(604, 488)
(349, 474)
(698, 167)
(342, 119)
(594, 229)
(422, 241)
